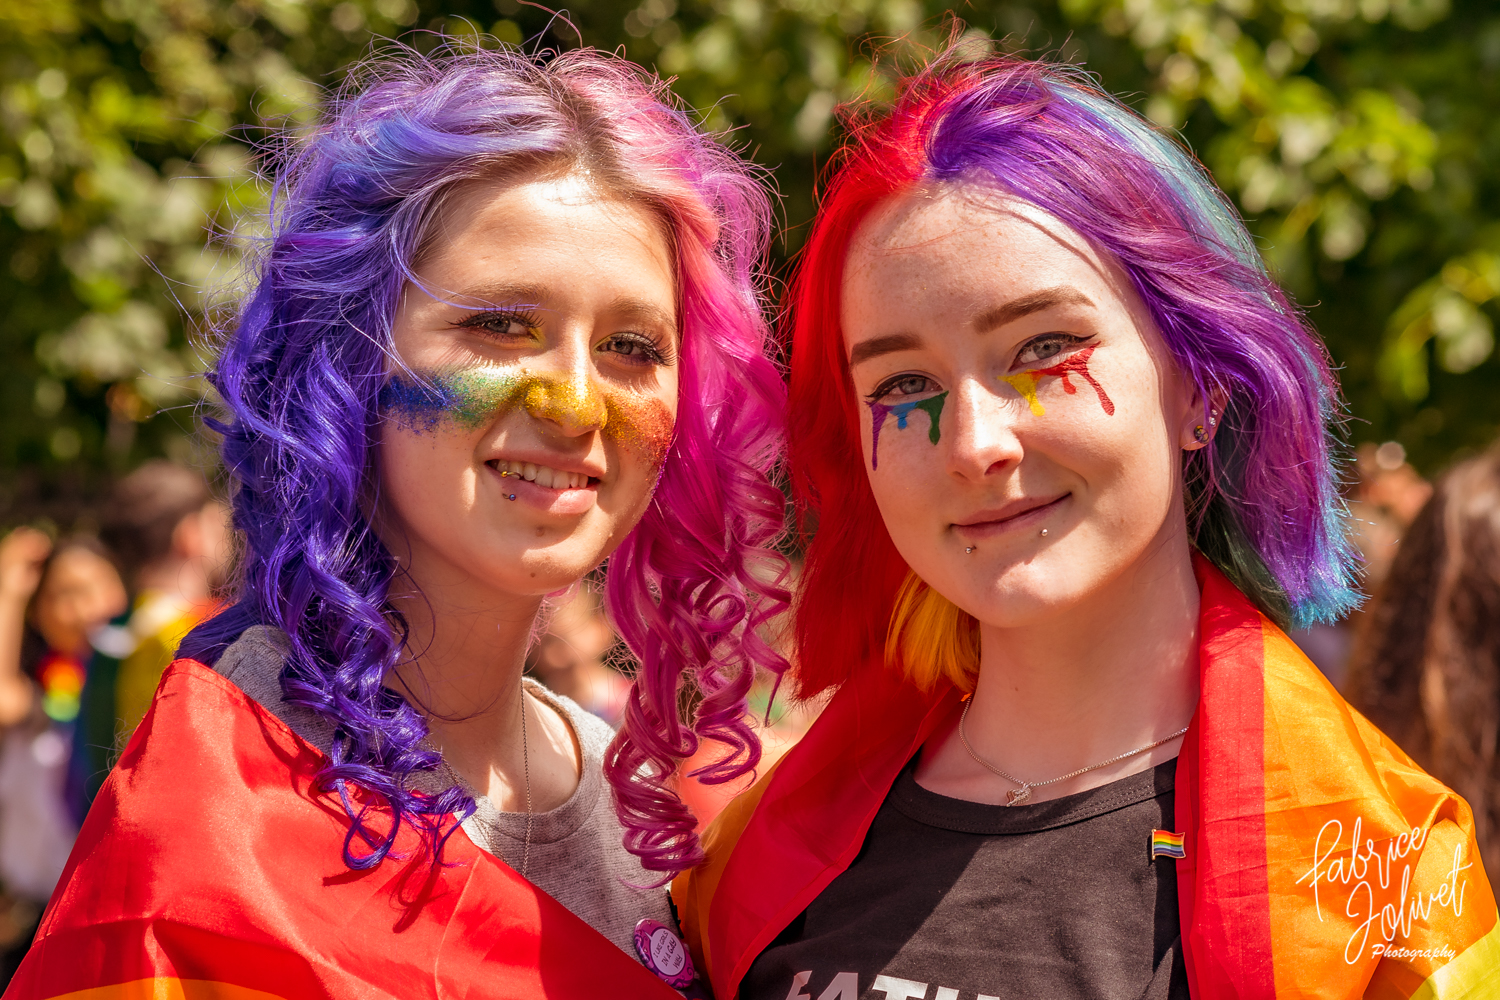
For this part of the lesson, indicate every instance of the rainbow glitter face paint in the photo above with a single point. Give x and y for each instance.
(469, 398)
(933, 406)
(1076, 364)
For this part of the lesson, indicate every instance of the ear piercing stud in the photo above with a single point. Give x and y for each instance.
(1200, 435)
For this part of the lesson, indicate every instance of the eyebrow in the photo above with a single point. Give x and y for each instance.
(638, 311)
(1013, 310)
(876, 346)
(534, 296)
(492, 296)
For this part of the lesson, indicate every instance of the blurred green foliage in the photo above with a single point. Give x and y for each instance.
(1358, 136)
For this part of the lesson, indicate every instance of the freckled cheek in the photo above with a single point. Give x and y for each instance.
(424, 470)
(642, 427)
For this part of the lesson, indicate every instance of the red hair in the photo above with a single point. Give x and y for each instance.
(852, 570)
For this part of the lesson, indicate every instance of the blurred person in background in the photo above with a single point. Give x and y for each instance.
(51, 599)
(1426, 668)
(572, 658)
(172, 539)
(1384, 497)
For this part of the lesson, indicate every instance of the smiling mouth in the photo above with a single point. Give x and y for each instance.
(1010, 519)
(541, 475)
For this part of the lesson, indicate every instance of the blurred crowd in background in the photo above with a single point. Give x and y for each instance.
(90, 618)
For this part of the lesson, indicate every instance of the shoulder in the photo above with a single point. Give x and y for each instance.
(257, 654)
(594, 734)
(693, 890)
(253, 663)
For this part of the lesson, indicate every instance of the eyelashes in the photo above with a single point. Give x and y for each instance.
(630, 346)
(1036, 345)
(653, 352)
(497, 321)
(917, 384)
(1039, 350)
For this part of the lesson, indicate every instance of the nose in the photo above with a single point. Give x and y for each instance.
(982, 431)
(569, 399)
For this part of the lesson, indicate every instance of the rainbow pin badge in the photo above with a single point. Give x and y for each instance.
(1166, 844)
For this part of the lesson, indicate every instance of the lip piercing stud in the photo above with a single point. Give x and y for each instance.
(969, 549)
(511, 497)
(1044, 532)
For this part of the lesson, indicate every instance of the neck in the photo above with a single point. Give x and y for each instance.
(1102, 678)
(465, 655)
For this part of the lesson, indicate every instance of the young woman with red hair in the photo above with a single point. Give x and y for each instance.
(1070, 455)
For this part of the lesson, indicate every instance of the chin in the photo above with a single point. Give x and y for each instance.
(1026, 598)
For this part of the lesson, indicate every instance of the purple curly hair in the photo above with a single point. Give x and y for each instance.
(301, 372)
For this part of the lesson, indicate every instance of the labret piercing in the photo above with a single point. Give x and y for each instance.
(970, 548)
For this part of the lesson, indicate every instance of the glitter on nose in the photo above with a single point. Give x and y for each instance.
(575, 404)
(475, 397)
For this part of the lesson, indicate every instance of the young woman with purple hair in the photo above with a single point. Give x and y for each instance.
(1071, 456)
(506, 326)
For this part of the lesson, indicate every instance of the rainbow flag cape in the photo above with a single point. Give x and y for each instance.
(1320, 862)
(210, 867)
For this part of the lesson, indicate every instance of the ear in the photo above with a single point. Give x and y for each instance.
(1201, 418)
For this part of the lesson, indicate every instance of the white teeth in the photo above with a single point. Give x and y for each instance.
(542, 475)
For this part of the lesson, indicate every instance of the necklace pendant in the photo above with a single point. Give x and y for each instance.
(1016, 796)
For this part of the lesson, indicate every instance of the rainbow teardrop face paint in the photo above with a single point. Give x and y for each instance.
(1076, 364)
(932, 406)
(469, 398)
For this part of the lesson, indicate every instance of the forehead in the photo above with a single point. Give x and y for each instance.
(941, 256)
(967, 226)
(569, 210)
(75, 565)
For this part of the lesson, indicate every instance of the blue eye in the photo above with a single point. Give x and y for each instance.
(907, 384)
(1046, 347)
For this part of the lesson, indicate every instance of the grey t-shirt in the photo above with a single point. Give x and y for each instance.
(576, 854)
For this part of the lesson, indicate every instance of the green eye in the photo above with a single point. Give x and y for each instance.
(636, 348)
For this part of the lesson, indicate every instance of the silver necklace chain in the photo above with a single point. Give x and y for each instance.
(526, 771)
(1022, 792)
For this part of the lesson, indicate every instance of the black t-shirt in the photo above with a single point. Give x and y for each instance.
(954, 900)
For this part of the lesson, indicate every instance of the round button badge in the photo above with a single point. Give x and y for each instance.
(664, 953)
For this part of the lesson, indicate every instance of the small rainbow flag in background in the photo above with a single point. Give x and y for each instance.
(1166, 844)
